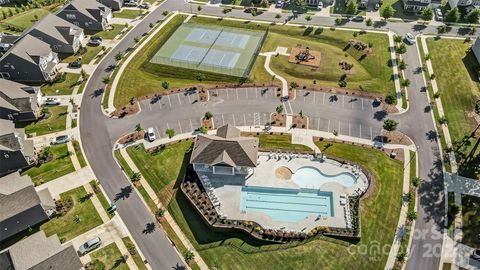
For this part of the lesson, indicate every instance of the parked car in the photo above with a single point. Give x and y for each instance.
(320, 6)
(438, 14)
(151, 134)
(75, 64)
(95, 42)
(358, 19)
(96, 37)
(377, 6)
(131, 4)
(410, 38)
(279, 4)
(61, 139)
(51, 101)
(145, 5)
(90, 245)
(250, 9)
(476, 254)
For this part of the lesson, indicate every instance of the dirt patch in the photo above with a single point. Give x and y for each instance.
(208, 123)
(395, 137)
(127, 110)
(203, 95)
(292, 93)
(299, 121)
(304, 56)
(278, 92)
(283, 173)
(132, 137)
(279, 120)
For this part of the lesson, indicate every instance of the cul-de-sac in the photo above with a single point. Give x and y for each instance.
(239, 134)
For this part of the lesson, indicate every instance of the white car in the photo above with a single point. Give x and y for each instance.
(410, 38)
(151, 134)
(320, 6)
(145, 5)
(51, 101)
(131, 4)
(90, 245)
(61, 139)
(438, 14)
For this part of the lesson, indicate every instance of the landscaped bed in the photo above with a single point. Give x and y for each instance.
(379, 214)
(56, 121)
(81, 218)
(64, 87)
(57, 164)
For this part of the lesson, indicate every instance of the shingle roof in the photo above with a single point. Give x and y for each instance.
(227, 147)
(57, 28)
(90, 8)
(30, 48)
(17, 194)
(18, 97)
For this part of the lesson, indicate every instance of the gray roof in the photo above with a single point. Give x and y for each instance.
(8, 139)
(30, 48)
(90, 8)
(7, 38)
(39, 252)
(17, 194)
(46, 199)
(225, 148)
(476, 49)
(57, 28)
(17, 96)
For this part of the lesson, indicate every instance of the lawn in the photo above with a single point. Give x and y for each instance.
(59, 165)
(459, 90)
(111, 257)
(162, 169)
(23, 20)
(111, 33)
(471, 220)
(79, 154)
(57, 121)
(399, 11)
(123, 163)
(379, 217)
(136, 258)
(280, 142)
(61, 88)
(341, 6)
(127, 13)
(87, 55)
(65, 226)
(101, 197)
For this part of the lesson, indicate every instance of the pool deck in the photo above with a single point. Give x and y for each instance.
(228, 188)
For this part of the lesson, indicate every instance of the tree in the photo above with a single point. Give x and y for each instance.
(401, 256)
(278, 16)
(293, 84)
(369, 22)
(416, 181)
(411, 215)
(453, 15)
(83, 74)
(165, 85)
(308, 18)
(387, 12)
(138, 127)
(279, 109)
(208, 115)
(397, 38)
(338, 20)
(406, 83)
(136, 176)
(189, 256)
(200, 77)
(427, 14)
(390, 125)
(160, 212)
(106, 80)
(203, 129)
(402, 65)
(352, 7)
(391, 99)
(199, 8)
(401, 49)
(473, 16)
(264, 3)
(118, 56)
(298, 5)
(170, 132)
(442, 120)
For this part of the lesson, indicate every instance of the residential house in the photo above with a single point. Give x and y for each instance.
(113, 4)
(30, 60)
(15, 151)
(7, 41)
(225, 153)
(39, 252)
(22, 207)
(61, 35)
(19, 102)
(88, 14)
(416, 5)
(466, 5)
(476, 49)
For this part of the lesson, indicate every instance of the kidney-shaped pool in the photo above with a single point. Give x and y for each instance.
(310, 177)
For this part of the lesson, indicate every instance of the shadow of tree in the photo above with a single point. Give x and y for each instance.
(380, 115)
(124, 193)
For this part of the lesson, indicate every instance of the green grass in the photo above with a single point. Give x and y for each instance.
(79, 154)
(23, 20)
(450, 214)
(87, 56)
(61, 88)
(65, 226)
(123, 163)
(162, 169)
(136, 258)
(127, 13)
(56, 122)
(61, 164)
(82, 86)
(111, 256)
(379, 217)
(447, 266)
(340, 8)
(74, 123)
(280, 142)
(399, 10)
(103, 200)
(471, 220)
(110, 34)
(458, 90)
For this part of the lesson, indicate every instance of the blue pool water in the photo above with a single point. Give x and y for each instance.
(286, 204)
(310, 177)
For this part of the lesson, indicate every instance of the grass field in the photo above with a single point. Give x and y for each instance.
(127, 13)
(79, 154)
(111, 257)
(379, 217)
(162, 169)
(90, 53)
(103, 200)
(459, 90)
(111, 33)
(60, 165)
(61, 88)
(136, 258)
(23, 20)
(280, 142)
(471, 220)
(65, 226)
(56, 122)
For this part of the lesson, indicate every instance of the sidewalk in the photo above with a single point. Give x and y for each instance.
(68, 182)
(268, 56)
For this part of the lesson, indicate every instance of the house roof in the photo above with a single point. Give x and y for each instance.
(30, 49)
(16, 90)
(57, 28)
(9, 39)
(17, 195)
(18, 97)
(226, 147)
(8, 139)
(41, 252)
(90, 8)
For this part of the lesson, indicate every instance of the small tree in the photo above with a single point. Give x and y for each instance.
(427, 14)
(454, 209)
(301, 113)
(308, 18)
(199, 8)
(106, 80)
(443, 120)
(138, 127)
(390, 125)
(208, 115)
(189, 256)
(352, 7)
(170, 132)
(293, 84)
(83, 74)
(369, 22)
(427, 57)
(401, 256)
(412, 215)
(136, 176)
(401, 49)
(387, 12)
(160, 212)
(416, 181)
(402, 65)
(397, 38)
(473, 16)
(391, 99)
(165, 85)
(264, 4)
(203, 130)
(200, 77)
(279, 109)
(338, 20)
(278, 16)
(119, 56)
(453, 15)
(406, 83)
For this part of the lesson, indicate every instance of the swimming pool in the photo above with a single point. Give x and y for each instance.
(310, 177)
(291, 205)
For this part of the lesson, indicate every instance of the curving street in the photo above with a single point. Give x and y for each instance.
(252, 107)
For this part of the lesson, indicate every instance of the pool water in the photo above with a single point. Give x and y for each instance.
(310, 177)
(290, 205)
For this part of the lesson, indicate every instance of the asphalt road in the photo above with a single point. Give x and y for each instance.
(98, 133)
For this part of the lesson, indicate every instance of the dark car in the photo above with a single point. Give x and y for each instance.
(75, 64)
(94, 42)
(476, 254)
(358, 19)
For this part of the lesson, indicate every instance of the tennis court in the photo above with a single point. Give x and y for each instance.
(229, 51)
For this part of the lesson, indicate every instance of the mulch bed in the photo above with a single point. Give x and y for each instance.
(278, 92)
(396, 137)
(208, 123)
(299, 121)
(292, 94)
(132, 137)
(127, 110)
(278, 120)
(203, 95)
(315, 62)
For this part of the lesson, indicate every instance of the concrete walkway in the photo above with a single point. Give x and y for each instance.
(268, 56)
(96, 203)
(68, 182)
(167, 216)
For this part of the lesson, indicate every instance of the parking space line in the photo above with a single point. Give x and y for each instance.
(180, 126)
(234, 123)
(338, 127)
(227, 92)
(314, 94)
(168, 126)
(158, 132)
(349, 133)
(223, 120)
(244, 120)
(178, 95)
(371, 106)
(169, 102)
(191, 125)
(318, 124)
(246, 93)
(362, 104)
(361, 131)
(323, 102)
(256, 93)
(150, 106)
(236, 90)
(371, 134)
(328, 129)
(189, 100)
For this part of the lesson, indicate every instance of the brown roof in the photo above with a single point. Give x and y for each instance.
(226, 147)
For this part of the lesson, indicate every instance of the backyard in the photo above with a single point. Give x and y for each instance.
(379, 217)
(56, 121)
(66, 226)
(59, 165)
(459, 91)
(64, 87)
(111, 257)
(471, 220)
